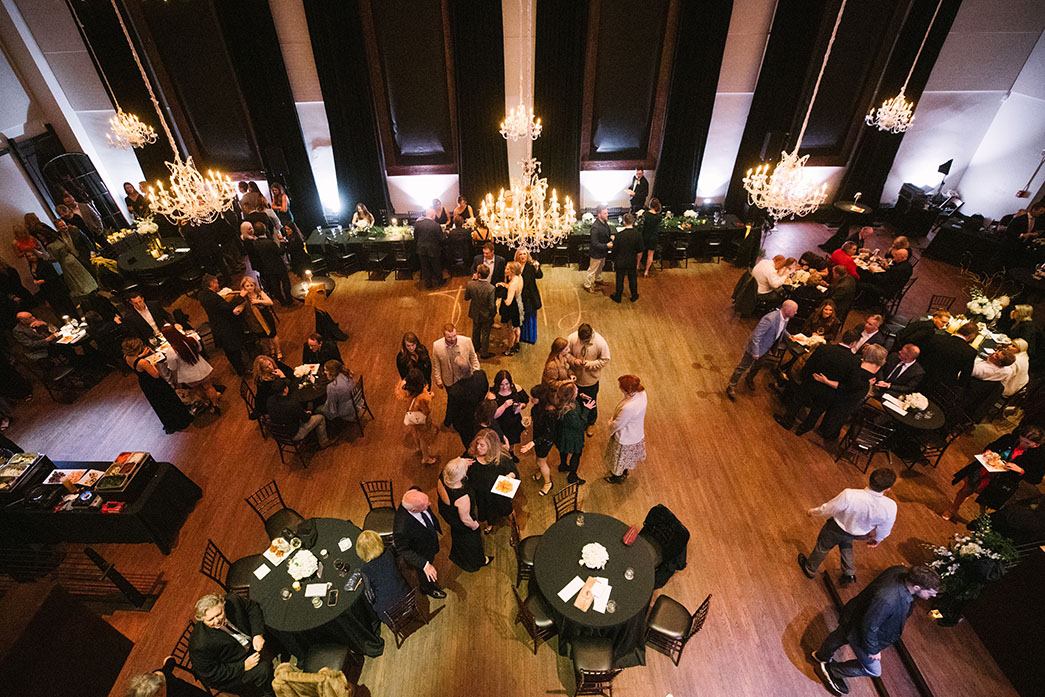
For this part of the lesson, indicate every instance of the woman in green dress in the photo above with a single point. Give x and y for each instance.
(569, 431)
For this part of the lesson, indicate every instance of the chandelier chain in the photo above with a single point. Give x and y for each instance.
(919, 54)
(823, 67)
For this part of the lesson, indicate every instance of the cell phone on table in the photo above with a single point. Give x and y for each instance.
(332, 596)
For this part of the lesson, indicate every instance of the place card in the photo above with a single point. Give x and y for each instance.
(889, 405)
(585, 597)
(315, 590)
(262, 571)
(601, 594)
(571, 589)
(344, 543)
(182, 250)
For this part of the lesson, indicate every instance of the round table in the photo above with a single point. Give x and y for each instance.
(849, 209)
(852, 207)
(138, 261)
(300, 289)
(929, 419)
(555, 564)
(296, 624)
(311, 392)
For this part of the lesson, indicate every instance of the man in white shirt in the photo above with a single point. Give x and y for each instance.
(589, 354)
(855, 514)
(870, 333)
(770, 274)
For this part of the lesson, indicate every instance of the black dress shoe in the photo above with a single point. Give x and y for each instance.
(802, 563)
(614, 479)
(802, 430)
(730, 394)
(615, 298)
(824, 672)
(846, 580)
(783, 422)
(574, 479)
(437, 594)
(634, 298)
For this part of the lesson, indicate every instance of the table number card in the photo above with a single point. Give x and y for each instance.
(262, 571)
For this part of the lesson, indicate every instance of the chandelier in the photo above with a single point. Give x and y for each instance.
(192, 198)
(126, 131)
(788, 191)
(517, 125)
(524, 217)
(897, 114)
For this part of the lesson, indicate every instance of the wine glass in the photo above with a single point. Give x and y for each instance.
(579, 519)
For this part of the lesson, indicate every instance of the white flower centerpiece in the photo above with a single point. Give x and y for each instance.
(989, 308)
(302, 565)
(587, 218)
(915, 400)
(363, 224)
(594, 556)
(302, 370)
(147, 226)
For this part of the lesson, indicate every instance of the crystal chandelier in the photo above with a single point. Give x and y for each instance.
(192, 198)
(517, 125)
(524, 217)
(126, 131)
(897, 114)
(788, 191)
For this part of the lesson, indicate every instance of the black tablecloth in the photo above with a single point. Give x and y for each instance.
(155, 515)
(296, 624)
(556, 563)
(929, 419)
(139, 262)
(965, 246)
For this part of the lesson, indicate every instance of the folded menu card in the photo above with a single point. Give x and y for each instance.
(262, 571)
(571, 589)
(314, 590)
(601, 593)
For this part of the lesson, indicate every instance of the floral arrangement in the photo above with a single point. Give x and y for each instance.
(147, 226)
(690, 214)
(799, 277)
(989, 308)
(588, 218)
(971, 560)
(363, 224)
(302, 565)
(594, 556)
(914, 400)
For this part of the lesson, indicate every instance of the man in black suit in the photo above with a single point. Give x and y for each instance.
(869, 334)
(920, 332)
(144, 319)
(599, 241)
(481, 308)
(271, 267)
(284, 410)
(879, 287)
(1023, 227)
(464, 397)
(627, 246)
(226, 324)
(873, 621)
(948, 358)
(494, 264)
(901, 373)
(639, 191)
(428, 236)
(225, 646)
(318, 351)
(416, 533)
(834, 363)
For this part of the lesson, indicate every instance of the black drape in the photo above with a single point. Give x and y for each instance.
(875, 150)
(478, 44)
(779, 91)
(335, 31)
(699, 43)
(253, 46)
(559, 91)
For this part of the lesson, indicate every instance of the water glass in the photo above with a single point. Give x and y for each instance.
(285, 593)
(579, 519)
(629, 573)
(323, 554)
(317, 602)
(611, 606)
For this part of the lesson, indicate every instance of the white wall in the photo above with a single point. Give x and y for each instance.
(415, 192)
(607, 186)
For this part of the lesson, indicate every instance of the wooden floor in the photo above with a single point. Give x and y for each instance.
(738, 481)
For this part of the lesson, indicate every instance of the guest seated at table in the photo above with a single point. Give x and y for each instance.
(187, 365)
(899, 242)
(828, 366)
(842, 290)
(1023, 458)
(870, 334)
(362, 219)
(225, 646)
(494, 264)
(284, 410)
(988, 381)
(901, 373)
(808, 295)
(1021, 369)
(441, 216)
(948, 358)
(1023, 327)
(144, 319)
(343, 402)
(258, 316)
(843, 257)
(770, 274)
(881, 286)
(921, 331)
(267, 372)
(811, 261)
(173, 414)
(416, 533)
(457, 245)
(387, 585)
(489, 461)
(824, 321)
(463, 209)
(318, 351)
(457, 507)
(413, 354)
(35, 336)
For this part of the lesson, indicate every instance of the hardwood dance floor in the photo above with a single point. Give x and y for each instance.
(739, 482)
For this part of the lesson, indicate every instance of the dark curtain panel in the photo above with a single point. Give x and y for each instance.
(478, 44)
(699, 44)
(253, 46)
(779, 92)
(876, 150)
(559, 91)
(337, 44)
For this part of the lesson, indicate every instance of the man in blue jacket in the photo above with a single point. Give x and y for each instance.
(600, 241)
(770, 329)
(873, 621)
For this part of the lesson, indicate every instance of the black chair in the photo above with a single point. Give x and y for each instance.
(593, 666)
(381, 500)
(893, 304)
(525, 548)
(403, 263)
(713, 246)
(233, 577)
(359, 397)
(180, 654)
(250, 400)
(348, 260)
(940, 302)
(284, 437)
(535, 618)
(402, 614)
(927, 449)
(561, 254)
(565, 500)
(863, 439)
(268, 503)
(669, 539)
(58, 377)
(332, 656)
(670, 626)
(680, 245)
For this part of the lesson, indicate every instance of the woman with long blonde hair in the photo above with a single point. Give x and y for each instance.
(258, 315)
(511, 305)
(490, 460)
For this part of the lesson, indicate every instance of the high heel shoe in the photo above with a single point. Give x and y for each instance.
(536, 476)
(546, 489)
(488, 560)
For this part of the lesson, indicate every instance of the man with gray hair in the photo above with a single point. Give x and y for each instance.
(599, 248)
(428, 236)
(162, 683)
(416, 533)
(225, 646)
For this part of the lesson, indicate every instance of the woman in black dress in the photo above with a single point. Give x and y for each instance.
(531, 295)
(489, 462)
(137, 204)
(299, 259)
(413, 354)
(387, 585)
(511, 305)
(651, 232)
(456, 506)
(545, 418)
(173, 414)
(510, 400)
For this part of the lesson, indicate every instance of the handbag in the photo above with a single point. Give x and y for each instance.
(414, 418)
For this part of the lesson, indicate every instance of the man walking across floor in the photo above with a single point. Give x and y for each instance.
(482, 306)
(444, 353)
(599, 248)
(627, 247)
(767, 333)
(416, 531)
(428, 236)
(855, 514)
(872, 622)
(589, 354)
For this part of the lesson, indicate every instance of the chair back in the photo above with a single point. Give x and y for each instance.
(525, 616)
(565, 500)
(516, 536)
(282, 434)
(180, 654)
(894, 303)
(248, 396)
(378, 493)
(358, 396)
(940, 302)
(595, 682)
(696, 623)
(215, 564)
(266, 501)
(401, 613)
